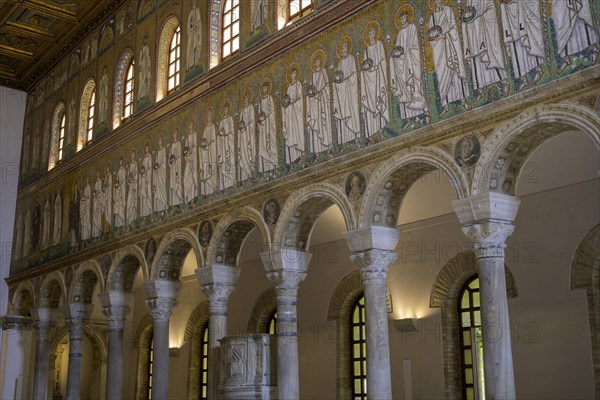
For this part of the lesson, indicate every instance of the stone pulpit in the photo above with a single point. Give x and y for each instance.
(248, 367)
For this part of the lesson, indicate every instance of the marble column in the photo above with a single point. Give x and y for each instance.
(161, 298)
(42, 359)
(217, 282)
(487, 222)
(115, 306)
(373, 251)
(286, 268)
(17, 342)
(77, 315)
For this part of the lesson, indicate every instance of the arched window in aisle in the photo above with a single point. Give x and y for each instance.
(358, 349)
(471, 344)
(203, 370)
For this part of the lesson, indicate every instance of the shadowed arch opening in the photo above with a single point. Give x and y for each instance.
(143, 337)
(391, 181)
(505, 152)
(260, 317)
(172, 252)
(303, 208)
(230, 234)
(585, 274)
(23, 301)
(445, 294)
(52, 292)
(82, 287)
(124, 269)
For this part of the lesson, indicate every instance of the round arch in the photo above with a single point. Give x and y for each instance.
(504, 153)
(264, 306)
(89, 88)
(230, 233)
(121, 69)
(394, 177)
(124, 267)
(57, 115)
(171, 253)
(23, 299)
(82, 286)
(303, 208)
(53, 287)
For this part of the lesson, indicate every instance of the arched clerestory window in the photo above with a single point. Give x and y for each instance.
(124, 85)
(87, 111)
(297, 9)
(169, 58)
(471, 344)
(57, 140)
(230, 28)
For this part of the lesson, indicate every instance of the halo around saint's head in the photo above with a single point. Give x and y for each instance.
(410, 14)
(288, 74)
(432, 6)
(210, 110)
(192, 119)
(224, 103)
(320, 54)
(371, 25)
(345, 39)
(247, 92)
(268, 82)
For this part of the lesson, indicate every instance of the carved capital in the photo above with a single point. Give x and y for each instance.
(14, 322)
(76, 328)
(489, 238)
(218, 294)
(286, 281)
(160, 307)
(116, 315)
(373, 264)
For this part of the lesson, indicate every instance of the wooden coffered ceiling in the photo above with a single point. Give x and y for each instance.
(36, 34)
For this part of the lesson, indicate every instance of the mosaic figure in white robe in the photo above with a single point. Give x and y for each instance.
(247, 137)
(345, 93)
(259, 13)
(85, 207)
(208, 155)
(97, 206)
(190, 174)
(159, 184)
(194, 32)
(57, 227)
(175, 172)
(46, 222)
(146, 182)
(226, 150)
(523, 35)
(447, 55)
(406, 82)
(120, 194)
(293, 117)
(145, 71)
(103, 97)
(267, 137)
(318, 115)
(375, 103)
(482, 46)
(27, 234)
(132, 188)
(574, 26)
(18, 237)
(107, 197)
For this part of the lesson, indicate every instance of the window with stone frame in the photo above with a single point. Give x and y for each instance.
(230, 28)
(128, 92)
(297, 9)
(203, 370)
(358, 349)
(471, 344)
(174, 61)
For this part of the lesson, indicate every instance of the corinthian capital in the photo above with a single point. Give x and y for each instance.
(218, 294)
(489, 238)
(160, 307)
(373, 264)
(286, 282)
(116, 315)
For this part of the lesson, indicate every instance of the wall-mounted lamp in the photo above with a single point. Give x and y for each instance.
(174, 351)
(406, 325)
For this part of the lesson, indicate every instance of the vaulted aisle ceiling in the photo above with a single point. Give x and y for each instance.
(36, 34)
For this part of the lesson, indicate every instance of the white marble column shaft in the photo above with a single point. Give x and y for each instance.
(160, 309)
(217, 283)
(486, 220)
(75, 355)
(42, 361)
(117, 316)
(286, 269)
